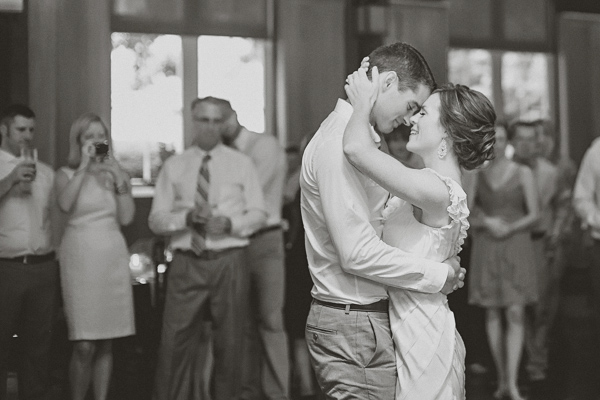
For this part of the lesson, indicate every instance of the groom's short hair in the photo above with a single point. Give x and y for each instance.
(406, 61)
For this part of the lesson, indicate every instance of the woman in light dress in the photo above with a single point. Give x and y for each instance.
(94, 193)
(503, 267)
(453, 129)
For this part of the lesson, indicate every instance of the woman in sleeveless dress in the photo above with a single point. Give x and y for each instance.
(94, 194)
(503, 274)
(453, 129)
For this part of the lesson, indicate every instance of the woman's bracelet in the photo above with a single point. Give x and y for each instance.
(121, 189)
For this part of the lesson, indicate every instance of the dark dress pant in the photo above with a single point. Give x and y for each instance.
(195, 285)
(29, 296)
(266, 353)
(595, 281)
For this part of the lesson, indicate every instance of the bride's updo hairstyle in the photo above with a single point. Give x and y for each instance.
(468, 117)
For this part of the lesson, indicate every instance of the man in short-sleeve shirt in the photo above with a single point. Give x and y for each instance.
(29, 287)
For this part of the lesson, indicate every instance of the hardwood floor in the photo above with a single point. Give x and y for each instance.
(574, 351)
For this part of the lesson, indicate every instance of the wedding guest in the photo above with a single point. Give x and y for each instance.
(502, 277)
(266, 353)
(94, 193)
(208, 201)
(586, 200)
(29, 285)
(527, 145)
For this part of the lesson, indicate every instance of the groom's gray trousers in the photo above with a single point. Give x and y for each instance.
(352, 351)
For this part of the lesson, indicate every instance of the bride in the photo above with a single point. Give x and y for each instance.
(454, 129)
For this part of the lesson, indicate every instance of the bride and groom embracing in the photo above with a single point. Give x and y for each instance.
(379, 325)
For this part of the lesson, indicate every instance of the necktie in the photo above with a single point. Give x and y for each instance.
(201, 201)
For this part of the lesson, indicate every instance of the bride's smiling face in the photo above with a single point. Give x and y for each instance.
(427, 132)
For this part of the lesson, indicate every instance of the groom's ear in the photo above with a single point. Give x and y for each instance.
(389, 80)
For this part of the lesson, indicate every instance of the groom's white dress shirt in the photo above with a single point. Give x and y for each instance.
(341, 210)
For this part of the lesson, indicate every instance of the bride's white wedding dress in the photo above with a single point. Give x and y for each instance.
(430, 353)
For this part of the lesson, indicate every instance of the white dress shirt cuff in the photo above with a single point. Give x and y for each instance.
(434, 278)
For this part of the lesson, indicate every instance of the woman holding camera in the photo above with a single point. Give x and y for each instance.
(94, 193)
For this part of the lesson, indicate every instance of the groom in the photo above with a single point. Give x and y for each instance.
(348, 330)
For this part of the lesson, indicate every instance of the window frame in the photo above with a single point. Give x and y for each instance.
(190, 82)
(191, 25)
(496, 71)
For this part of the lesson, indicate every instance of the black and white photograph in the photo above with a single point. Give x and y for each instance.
(299, 199)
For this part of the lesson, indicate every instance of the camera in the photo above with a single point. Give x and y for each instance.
(101, 149)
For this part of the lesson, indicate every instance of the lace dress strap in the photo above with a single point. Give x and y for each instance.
(458, 209)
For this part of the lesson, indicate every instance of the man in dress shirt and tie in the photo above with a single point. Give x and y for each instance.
(208, 201)
(267, 371)
(29, 287)
(347, 330)
(586, 200)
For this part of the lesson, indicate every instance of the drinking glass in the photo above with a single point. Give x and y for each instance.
(29, 154)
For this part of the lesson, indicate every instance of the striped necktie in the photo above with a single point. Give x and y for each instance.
(201, 200)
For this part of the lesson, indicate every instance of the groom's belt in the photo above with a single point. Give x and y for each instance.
(380, 306)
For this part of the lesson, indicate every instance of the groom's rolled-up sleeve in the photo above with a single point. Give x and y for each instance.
(361, 251)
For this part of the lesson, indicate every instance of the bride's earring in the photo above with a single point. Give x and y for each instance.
(442, 149)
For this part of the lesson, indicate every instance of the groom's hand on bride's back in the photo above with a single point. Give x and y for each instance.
(456, 275)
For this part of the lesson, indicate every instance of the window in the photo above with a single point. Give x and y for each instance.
(154, 78)
(146, 101)
(517, 83)
(472, 68)
(237, 74)
(525, 86)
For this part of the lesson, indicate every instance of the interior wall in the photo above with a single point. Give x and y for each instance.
(311, 60)
(69, 70)
(14, 78)
(424, 26)
(42, 19)
(579, 74)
